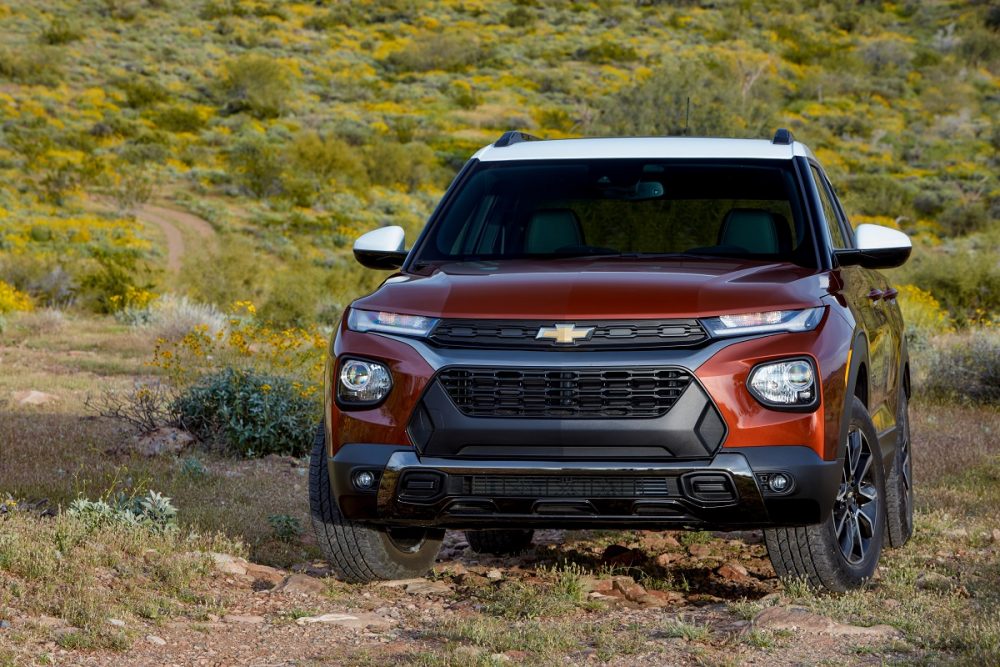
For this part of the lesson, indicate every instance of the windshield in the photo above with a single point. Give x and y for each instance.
(621, 208)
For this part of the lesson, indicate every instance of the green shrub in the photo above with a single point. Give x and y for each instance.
(324, 158)
(448, 52)
(179, 119)
(59, 31)
(608, 52)
(391, 163)
(286, 528)
(142, 92)
(248, 413)
(258, 166)
(257, 84)
(963, 367)
(32, 65)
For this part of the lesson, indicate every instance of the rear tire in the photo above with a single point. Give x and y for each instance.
(842, 552)
(899, 481)
(359, 553)
(499, 542)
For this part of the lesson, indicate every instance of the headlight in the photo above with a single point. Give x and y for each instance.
(407, 325)
(363, 382)
(785, 384)
(767, 322)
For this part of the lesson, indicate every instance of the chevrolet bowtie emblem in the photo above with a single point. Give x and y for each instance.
(564, 334)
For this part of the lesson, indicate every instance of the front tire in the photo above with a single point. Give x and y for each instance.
(842, 552)
(359, 553)
(899, 481)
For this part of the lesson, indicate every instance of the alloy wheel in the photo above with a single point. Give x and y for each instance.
(855, 512)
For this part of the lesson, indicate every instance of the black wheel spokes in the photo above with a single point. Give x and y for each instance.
(856, 509)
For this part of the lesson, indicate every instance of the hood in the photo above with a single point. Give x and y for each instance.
(587, 288)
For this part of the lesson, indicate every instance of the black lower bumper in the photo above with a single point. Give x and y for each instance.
(728, 491)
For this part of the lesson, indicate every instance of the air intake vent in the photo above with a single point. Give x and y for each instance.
(607, 335)
(421, 486)
(575, 486)
(709, 487)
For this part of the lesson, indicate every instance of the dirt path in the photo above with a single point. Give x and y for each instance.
(171, 221)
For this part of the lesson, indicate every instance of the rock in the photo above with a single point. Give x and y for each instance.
(934, 581)
(669, 542)
(616, 554)
(733, 571)
(4, 624)
(660, 598)
(246, 619)
(117, 622)
(699, 550)
(664, 560)
(996, 534)
(799, 618)
(158, 641)
(48, 621)
(632, 591)
(500, 657)
(595, 585)
(300, 583)
(425, 587)
(494, 575)
(956, 533)
(227, 564)
(164, 440)
(398, 583)
(360, 620)
(32, 397)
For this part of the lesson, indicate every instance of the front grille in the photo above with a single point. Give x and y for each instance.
(607, 335)
(564, 393)
(535, 486)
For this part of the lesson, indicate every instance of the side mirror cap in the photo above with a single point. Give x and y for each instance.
(381, 249)
(877, 247)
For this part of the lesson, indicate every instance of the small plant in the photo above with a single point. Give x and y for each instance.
(193, 468)
(256, 84)
(680, 629)
(152, 511)
(286, 528)
(248, 413)
(144, 407)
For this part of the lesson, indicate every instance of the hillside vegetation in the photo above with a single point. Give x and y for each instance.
(294, 126)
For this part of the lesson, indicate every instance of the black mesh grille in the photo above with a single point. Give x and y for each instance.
(607, 335)
(564, 393)
(534, 486)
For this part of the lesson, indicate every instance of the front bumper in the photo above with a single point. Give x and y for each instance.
(726, 491)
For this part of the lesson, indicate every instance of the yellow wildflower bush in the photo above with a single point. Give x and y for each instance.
(13, 300)
(922, 313)
(247, 343)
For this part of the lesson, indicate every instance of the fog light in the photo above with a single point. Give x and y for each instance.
(364, 480)
(779, 482)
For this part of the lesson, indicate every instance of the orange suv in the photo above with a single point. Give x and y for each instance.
(649, 333)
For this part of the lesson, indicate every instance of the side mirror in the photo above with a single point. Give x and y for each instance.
(381, 249)
(878, 247)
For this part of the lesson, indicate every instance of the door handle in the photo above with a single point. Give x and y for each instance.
(875, 294)
(890, 294)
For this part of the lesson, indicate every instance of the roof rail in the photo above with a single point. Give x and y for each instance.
(512, 137)
(783, 137)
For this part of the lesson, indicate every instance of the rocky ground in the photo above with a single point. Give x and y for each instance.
(721, 605)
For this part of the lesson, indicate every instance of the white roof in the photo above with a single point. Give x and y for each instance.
(644, 147)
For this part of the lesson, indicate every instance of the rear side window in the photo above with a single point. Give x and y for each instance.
(626, 208)
(832, 223)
